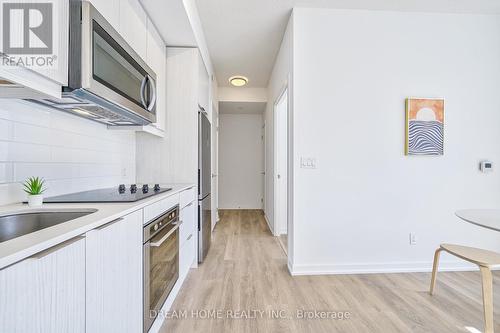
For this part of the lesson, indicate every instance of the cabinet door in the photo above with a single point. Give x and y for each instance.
(114, 276)
(157, 60)
(110, 9)
(188, 238)
(46, 292)
(40, 67)
(132, 27)
(187, 255)
(189, 217)
(203, 83)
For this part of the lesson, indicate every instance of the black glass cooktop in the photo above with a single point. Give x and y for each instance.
(120, 193)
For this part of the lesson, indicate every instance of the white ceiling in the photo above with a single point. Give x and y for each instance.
(242, 107)
(244, 36)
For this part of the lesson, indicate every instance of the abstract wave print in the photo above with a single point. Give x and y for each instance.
(425, 138)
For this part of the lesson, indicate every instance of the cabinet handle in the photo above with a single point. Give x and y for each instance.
(190, 236)
(104, 226)
(54, 248)
(189, 205)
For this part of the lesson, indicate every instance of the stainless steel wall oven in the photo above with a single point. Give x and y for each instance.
(161, 262)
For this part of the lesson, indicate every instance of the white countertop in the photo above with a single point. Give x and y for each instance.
(19, 248)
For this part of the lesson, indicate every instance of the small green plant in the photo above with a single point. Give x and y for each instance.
(34, 186)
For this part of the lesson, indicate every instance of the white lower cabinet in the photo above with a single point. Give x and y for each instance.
(188, 238)
(114, 276)
(188, 218)
(92, 283)
(187, 255)
(46, 292)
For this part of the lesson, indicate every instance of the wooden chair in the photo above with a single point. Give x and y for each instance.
(485, 260)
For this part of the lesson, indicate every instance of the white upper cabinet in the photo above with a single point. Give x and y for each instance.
(59, 71)
(46, 292)
(132, 26)
(43, 73)
(110, 9)
(203, 83)
(157, 60)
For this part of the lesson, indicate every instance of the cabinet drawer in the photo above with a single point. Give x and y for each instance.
(156, 209)
(187, 255)
(187, 196)
(189, 218)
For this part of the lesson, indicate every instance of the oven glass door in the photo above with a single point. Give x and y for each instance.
(162, 258)
(113, 67)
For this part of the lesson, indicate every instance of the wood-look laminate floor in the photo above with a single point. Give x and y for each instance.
(246, 271)
(283, 240)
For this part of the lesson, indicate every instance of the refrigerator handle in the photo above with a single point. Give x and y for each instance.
(199, 184)
(199, 217)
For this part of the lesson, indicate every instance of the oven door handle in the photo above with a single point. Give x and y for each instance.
(164, 238)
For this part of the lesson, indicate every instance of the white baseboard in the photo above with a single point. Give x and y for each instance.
(269, 224)
(398, 267)
(290, 266)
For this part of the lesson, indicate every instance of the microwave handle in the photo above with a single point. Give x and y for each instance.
(143, 87)
(153, 89)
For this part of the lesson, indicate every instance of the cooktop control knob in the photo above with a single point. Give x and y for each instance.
(157, 187)
(145, 188)
(133, 188)
(121, 188)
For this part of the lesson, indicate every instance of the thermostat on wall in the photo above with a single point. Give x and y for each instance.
(486, 166)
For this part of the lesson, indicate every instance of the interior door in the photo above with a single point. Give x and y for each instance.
(241, 160)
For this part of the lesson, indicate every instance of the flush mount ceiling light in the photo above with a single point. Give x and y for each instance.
(238, 81)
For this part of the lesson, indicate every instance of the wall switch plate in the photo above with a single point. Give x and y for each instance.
(307, 163)
(413, 239)
(486, 166)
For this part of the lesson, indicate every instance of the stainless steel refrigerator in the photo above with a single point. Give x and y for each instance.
(204, 185)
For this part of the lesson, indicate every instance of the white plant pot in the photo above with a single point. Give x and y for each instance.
(35, 200)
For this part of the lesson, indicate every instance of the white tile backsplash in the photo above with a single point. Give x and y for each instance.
(71, 153)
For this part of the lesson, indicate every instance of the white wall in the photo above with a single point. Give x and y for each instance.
(229, 94)
(281, 77)
(241, 161)
(71, 153)
(352, 73)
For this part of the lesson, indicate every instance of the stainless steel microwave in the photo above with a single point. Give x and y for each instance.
(108, 81)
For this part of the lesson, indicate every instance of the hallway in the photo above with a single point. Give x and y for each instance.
(245, 275)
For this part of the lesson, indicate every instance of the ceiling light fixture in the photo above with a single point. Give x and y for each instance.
(238, 81)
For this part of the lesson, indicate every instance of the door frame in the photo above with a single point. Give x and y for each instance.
(284, 90)
(215, 164)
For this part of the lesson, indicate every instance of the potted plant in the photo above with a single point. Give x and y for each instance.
(34, 187)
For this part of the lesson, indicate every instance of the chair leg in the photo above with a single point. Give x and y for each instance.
(487, 282)
(434, 270)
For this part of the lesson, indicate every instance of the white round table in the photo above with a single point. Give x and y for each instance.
(486, 218)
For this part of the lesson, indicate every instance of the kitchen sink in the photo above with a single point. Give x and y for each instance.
(22, 223)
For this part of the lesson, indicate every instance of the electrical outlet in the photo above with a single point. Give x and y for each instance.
(307, 163)
(413, 239)
(124, 172)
